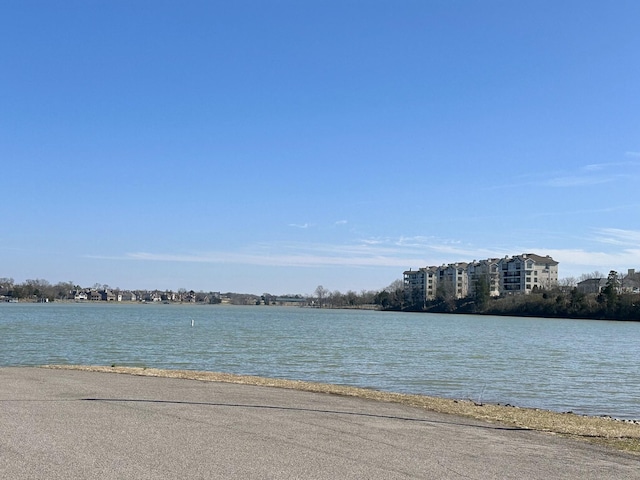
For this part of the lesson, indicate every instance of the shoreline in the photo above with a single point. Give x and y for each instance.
(621, 435)
(365, 307)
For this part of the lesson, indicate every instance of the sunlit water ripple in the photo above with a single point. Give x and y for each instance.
(588, 367)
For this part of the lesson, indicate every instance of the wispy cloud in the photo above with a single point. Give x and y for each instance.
(620, 250)
(414, 241)
(596, 167)
(598, 210)
(299, 225)
(588, 175)
(312, 256)
(578, 181)
(596, 174)
(402, 252)
(618, 236)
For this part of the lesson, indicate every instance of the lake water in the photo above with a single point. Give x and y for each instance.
(588, 367)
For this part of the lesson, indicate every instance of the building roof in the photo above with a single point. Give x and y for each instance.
(539, 259)
(597, 281)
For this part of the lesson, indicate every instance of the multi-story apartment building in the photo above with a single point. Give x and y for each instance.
(508, 275)
(431, 277)
(484, 271)
(523, 273)
(453, 280)
(414, 286)
(420, 285)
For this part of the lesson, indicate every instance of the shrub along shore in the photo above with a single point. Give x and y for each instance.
(618, 434)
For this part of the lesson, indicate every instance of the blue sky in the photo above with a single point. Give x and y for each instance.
(274, 146)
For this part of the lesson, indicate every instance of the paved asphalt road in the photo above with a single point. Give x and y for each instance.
(64, 424)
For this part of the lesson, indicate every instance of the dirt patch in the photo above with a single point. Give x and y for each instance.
(622, 435)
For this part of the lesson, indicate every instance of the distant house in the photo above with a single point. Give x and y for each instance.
(80, 295)
(592, 285)
(155, 296)
(290, 301)
(95, 296)
(170, 296)
(126, 297)
(189, 297)
(630, 282)
(107, 296)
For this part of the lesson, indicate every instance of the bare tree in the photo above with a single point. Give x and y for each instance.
(6, 284)
(567, 282)
(336, 299)
(589, 276)
(321, 293)
(395, 285)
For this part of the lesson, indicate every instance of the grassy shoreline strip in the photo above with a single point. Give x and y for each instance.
(621, 435)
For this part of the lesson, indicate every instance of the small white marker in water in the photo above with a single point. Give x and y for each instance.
(192, 322)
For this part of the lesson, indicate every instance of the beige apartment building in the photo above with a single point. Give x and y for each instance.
(523, 273)
(453, 279)
(520, 274)
(484, 271)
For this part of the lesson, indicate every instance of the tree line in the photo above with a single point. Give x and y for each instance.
(36, 289)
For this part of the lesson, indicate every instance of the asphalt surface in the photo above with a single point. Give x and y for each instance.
(65, 424)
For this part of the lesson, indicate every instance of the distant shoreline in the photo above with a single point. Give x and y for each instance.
(200, 304)
(518, 314)
(618, 434)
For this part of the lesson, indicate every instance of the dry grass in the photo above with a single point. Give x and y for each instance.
(604, 431)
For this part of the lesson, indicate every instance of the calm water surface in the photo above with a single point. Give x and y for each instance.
(583, 366)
